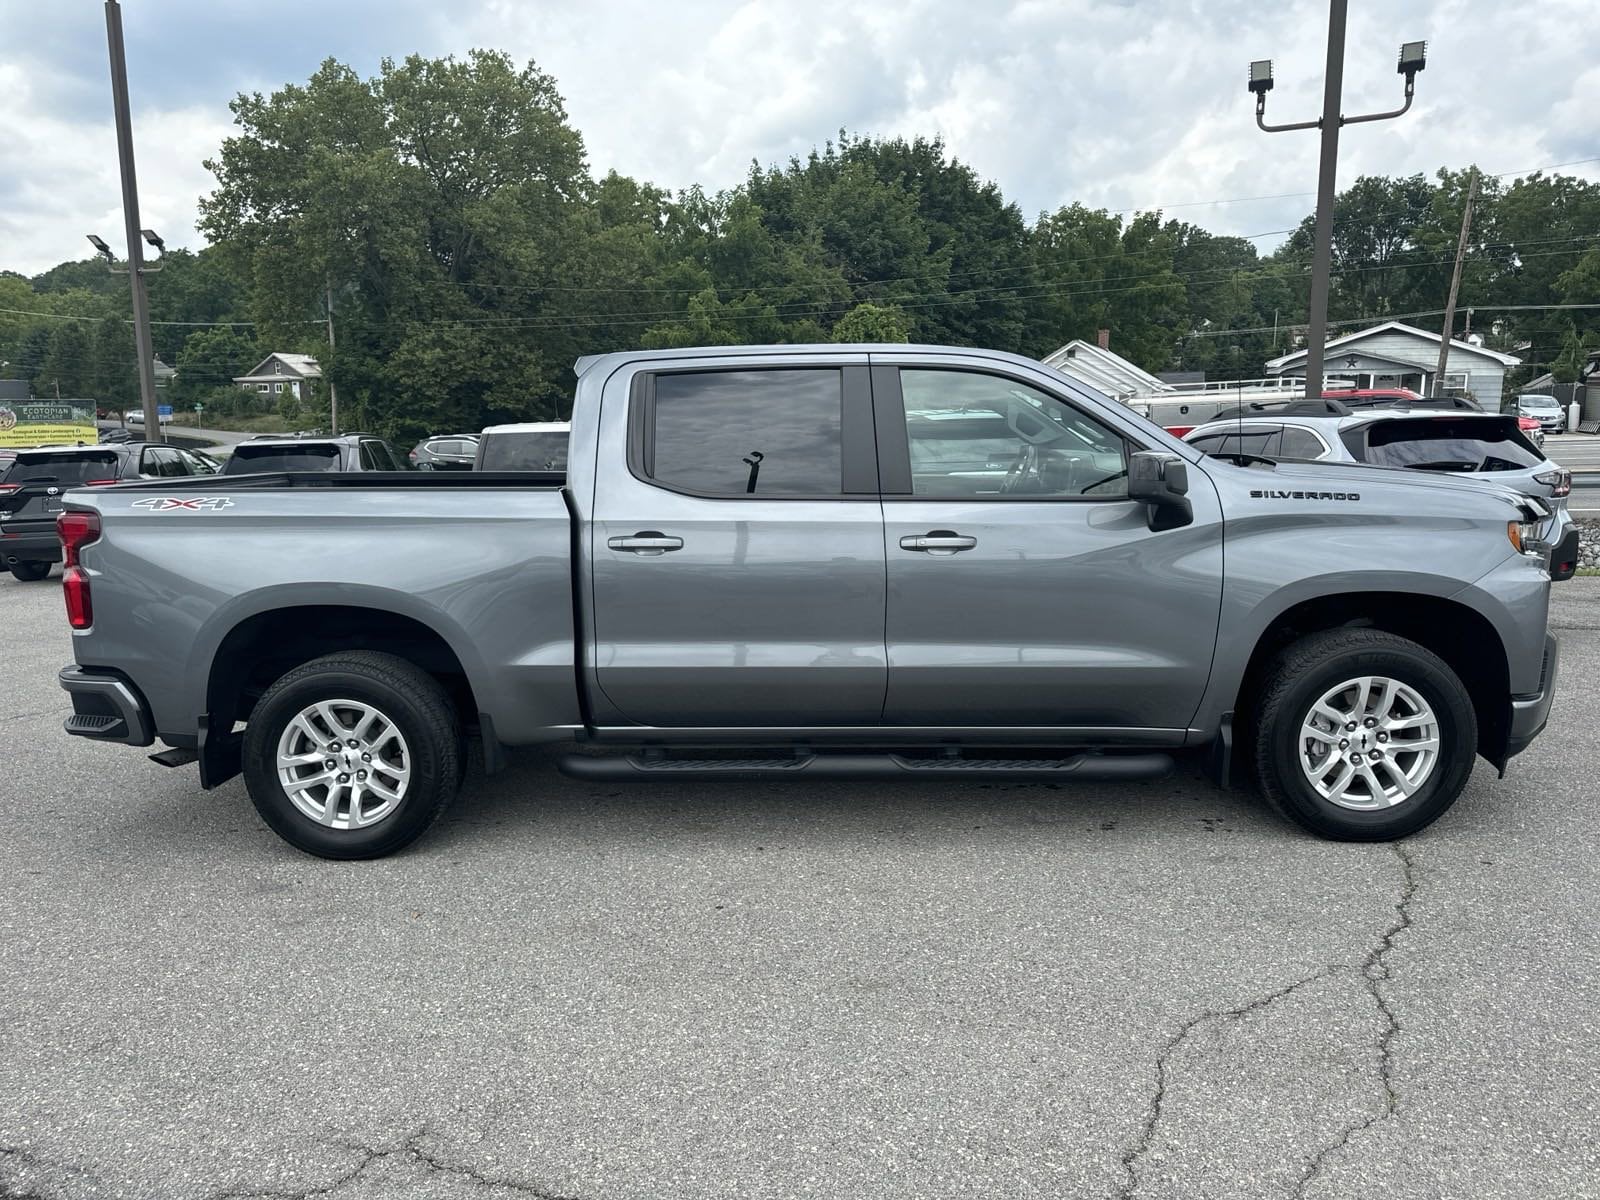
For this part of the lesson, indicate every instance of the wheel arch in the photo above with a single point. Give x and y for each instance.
(1459, 634)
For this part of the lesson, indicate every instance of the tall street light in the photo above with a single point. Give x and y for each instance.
(1413, 57)
(130, 213)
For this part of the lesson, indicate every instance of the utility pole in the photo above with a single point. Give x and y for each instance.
(1412, 60)
(130, 216)
(1455, 286)
(333, 392)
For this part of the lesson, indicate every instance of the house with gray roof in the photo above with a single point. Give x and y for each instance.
(1394, 354)
(280, 372)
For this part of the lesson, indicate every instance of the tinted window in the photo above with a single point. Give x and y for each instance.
(368, 455)
(982, 435)
(1252, 441)
(198, 465)
(61, 468)
(763, 433)
(1443, 444)
(248, 459)
(546, 451)
(1300, 443)
(162, 462)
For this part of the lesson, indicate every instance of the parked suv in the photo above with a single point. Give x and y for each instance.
(1489, 448)
(346, 452)
(525, 446)
(445, 452)
(32, 488)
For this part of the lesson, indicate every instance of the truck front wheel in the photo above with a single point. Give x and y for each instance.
(1362, 735)
(352, 755)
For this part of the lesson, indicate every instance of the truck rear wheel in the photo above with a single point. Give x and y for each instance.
(1362, 735)
(352, 755)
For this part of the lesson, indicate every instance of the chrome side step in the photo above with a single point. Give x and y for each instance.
(1090, 768)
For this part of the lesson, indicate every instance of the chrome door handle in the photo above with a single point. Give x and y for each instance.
(938, 541)
(646, 541)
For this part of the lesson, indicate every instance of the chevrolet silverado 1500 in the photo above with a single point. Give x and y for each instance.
(817, 561)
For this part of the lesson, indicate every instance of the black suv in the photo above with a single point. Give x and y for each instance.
(446, 452)
(31, 491)
(346, 452)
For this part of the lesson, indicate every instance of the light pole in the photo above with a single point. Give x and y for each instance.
(1412, 59)
(130, 215)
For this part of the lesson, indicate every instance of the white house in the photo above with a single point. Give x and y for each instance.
(1398, 355)
(280, 372)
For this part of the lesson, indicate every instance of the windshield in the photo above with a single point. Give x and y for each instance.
(545, 451)
(61, 468)
(247, 459)
(1447, 445)
(1541, 403)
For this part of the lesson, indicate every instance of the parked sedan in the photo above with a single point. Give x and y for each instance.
(445, 452)
(1483, 447)
(32, 488)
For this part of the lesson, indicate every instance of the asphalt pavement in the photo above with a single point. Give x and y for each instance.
(727, 990)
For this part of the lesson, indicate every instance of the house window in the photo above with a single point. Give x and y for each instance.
(277, 387)
(1455, 381)
(261, 387)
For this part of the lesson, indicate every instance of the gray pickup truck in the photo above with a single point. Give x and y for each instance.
(813, 562)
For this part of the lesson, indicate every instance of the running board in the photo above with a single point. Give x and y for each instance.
(1092, 768)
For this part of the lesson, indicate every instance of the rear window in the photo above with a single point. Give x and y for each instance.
(62, 468)
(247, 458)
(1442, 444)
(545, 451)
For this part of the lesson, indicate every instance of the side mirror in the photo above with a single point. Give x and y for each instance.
(1161, 481)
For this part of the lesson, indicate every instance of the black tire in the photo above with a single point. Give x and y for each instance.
(30, 572)
(1301, 674)
(408, 696)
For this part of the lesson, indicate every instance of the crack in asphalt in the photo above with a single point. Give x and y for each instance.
(29, 1159)
(1131, 1156)
(1373, 970)
(409, 1151)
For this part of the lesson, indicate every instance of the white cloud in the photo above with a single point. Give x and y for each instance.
(1120, 104)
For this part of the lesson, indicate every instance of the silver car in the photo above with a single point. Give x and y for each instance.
(1487, 447)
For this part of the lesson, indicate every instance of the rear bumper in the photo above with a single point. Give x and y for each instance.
(1530, 714)
(31, 541)
(106, 707)
(1564, 558)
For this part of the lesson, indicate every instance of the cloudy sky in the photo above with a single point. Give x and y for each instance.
(1116, 103)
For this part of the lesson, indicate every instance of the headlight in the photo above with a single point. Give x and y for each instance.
(1558, 481)
(1524, 535)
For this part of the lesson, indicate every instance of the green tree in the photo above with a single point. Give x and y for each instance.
(68, 368)
(869, 322)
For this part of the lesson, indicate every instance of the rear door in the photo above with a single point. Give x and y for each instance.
(1025, 587)
(738, 561)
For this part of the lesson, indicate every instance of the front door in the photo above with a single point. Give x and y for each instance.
(1025, 588)
(738, 564)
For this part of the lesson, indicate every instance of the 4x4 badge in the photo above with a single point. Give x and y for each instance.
(183, 503)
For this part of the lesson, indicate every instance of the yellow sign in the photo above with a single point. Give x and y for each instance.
(48, 435)
(40, 423)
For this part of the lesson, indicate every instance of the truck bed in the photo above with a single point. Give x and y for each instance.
(357, 479)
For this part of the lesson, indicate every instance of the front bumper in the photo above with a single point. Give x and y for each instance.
(1530, 714)
(106, 707)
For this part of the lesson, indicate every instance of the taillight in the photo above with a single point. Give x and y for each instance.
(1558, 481)
(99, 482)
(77, 530)
(7, 488)
(1179, 431)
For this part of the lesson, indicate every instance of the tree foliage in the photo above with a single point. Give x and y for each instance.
(444, 212)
